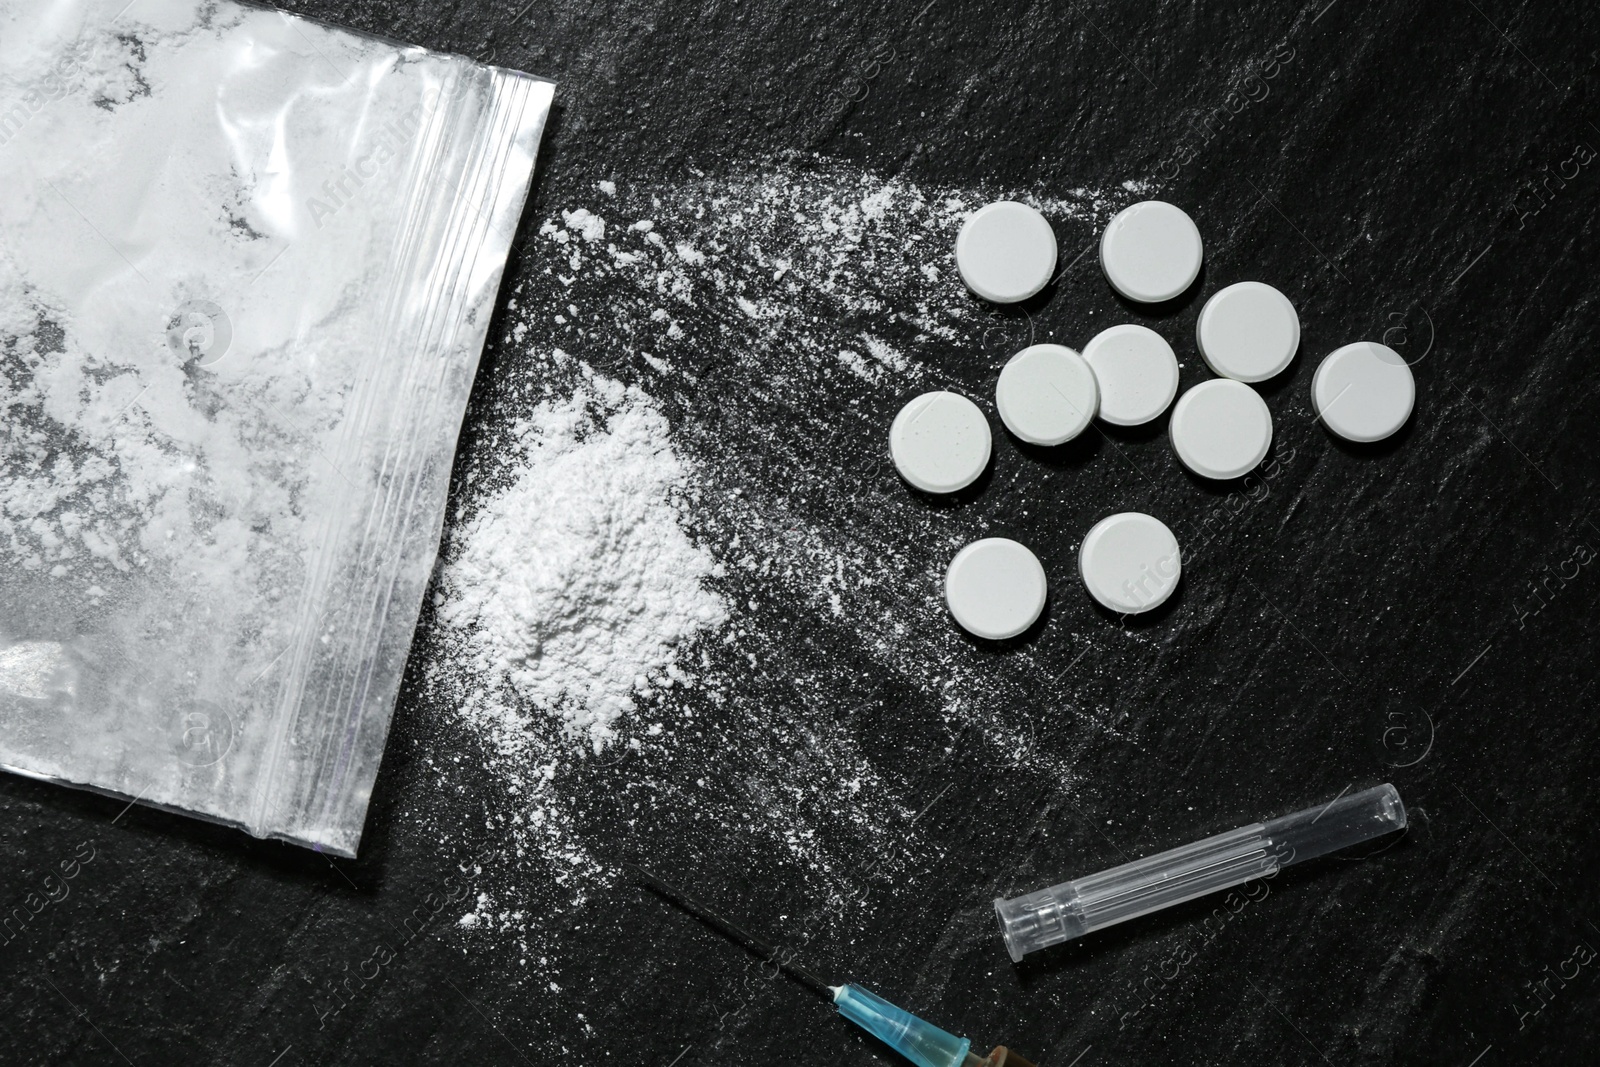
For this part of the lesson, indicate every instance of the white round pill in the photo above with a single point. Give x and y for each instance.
(1046, 394)
(1151, 251)
(1221, 429)
(995, 588)
(940, 442)
(1137, 372)
(1364, 392)
(1248, 332)
(1006, 252)
(1130, 562)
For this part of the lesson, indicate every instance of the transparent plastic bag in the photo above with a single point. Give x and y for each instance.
(247, 265)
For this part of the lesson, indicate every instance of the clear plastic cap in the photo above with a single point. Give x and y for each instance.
(1072, 909)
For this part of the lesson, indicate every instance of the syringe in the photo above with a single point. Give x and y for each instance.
(916, 1039)
(1072, 909)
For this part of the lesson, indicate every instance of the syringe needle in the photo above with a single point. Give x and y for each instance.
(783, 960)
(918, 1041)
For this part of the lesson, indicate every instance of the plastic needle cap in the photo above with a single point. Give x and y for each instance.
(922, 1043)
(1062, 912)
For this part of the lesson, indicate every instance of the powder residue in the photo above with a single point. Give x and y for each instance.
(766, 324)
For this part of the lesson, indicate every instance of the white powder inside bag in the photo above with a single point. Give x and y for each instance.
(246, 268)
(575, 584)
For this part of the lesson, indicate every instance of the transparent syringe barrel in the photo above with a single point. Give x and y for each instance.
(1072, 909)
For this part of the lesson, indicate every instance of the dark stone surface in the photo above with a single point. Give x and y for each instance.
(1364, 616)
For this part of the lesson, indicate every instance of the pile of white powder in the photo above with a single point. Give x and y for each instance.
(574, 585)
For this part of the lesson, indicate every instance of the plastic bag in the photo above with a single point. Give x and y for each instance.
(247, 264)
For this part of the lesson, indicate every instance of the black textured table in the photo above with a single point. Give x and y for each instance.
(1420, 612)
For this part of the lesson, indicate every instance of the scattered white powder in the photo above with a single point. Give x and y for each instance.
(586, 224)
(859, 365)
(575, 584)
(776, 319)
(886, 354)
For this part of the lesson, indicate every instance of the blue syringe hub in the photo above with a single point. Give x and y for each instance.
(922, 1043)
